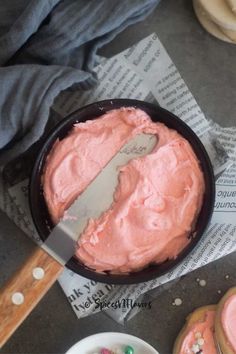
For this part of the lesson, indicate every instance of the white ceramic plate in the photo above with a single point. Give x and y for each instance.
(110, 340)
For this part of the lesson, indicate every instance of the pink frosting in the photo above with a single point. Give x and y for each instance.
(228, 319)
(156, 201)
(202, 329)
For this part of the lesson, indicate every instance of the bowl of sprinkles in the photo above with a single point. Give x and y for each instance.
(112, 343)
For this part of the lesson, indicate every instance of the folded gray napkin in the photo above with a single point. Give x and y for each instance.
(47, 46)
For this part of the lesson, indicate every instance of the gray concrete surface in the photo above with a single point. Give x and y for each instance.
(209, 68)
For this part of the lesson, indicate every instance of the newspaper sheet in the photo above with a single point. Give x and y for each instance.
(146, 72)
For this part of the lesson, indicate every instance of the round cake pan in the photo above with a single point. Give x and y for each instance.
(38, 205)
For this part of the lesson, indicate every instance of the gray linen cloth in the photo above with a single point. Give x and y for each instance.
(47, 46)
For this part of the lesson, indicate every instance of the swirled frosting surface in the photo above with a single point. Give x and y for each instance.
(200, 336)
(156, 202)
(228, 320)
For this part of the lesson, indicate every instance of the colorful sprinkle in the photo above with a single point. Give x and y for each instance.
(200, 342)
(129, 350)
(105, 351)
(126, 350)
(195, 348)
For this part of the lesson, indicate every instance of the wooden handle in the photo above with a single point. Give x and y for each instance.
(25, 289)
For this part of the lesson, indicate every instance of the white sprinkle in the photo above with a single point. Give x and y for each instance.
(198, 335)
(227, 276)
(219, 291)
(198, 280)
(38, 273)
(17, 298)
(195, 348)
(202, 282)
(200, 342)
(178, 301)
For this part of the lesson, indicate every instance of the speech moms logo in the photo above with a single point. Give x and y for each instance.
(122, 304)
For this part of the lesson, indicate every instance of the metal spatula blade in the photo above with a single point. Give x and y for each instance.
(96, 199)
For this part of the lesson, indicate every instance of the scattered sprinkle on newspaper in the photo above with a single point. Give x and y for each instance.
(146, 72)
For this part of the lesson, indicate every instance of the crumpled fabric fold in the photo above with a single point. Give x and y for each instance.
(47, 47)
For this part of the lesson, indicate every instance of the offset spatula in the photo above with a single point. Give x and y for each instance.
(29, 284)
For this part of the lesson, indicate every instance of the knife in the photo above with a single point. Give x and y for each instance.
(96, 199)
(41, 269)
